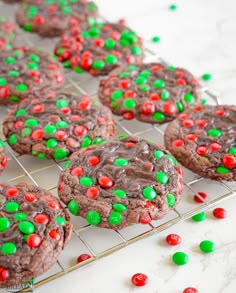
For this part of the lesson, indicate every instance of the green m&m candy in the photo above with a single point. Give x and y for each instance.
(20, 216)
(86, 181)
(60, 154)
(12, 207)
(120, 193)
(162, 177)
(180, 258)
(73, 207)
(207, 246)
(158, 154)
(121, 162)
(93, 218)
(115, 218)
(170, 198)
(26, 227)
(199, 217)
(8, 248)
(119, 207)
(4, 224)
(60, 221)
(149, 193)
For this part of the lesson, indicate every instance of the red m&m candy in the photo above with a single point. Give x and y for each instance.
(83, 257)
(203, 195)
(220, 213)
(229, 161)
(34, 240)
(139, 279)
(4, 274)
(173, 239)
(105, 182)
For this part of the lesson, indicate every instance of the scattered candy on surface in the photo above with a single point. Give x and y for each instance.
(199, 217)
(220, 213)
(180, 258)
(207, 246)
(173, 7)
(206, 77)
(203, 195)
(173, 239)
(139, 280)
(156, 39)
(83, 257)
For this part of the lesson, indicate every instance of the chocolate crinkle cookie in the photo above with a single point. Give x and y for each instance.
(123, 182)
(203, 140)
(34, 229)
(57, 125)
(51, 18)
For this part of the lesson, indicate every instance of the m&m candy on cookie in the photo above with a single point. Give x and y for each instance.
(51, 18)
(25, 71)
(203, 140)
(7, 34)
(34, 229)
(100, 48)
(152, 93)
(123, 182)
(57, 125)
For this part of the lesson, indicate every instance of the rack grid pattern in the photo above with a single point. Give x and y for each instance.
(85, 238)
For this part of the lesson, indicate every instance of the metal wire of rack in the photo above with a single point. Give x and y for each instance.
(85, 238)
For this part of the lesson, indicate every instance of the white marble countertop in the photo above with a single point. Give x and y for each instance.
(200, 36)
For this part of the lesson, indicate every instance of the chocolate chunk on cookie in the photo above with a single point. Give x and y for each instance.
(152, 93)
(51, 18)
(7, 34)
(3, 158)
(101, 48)
(34, 229)
(56, 126)
(123, 182)
(204, 140)
(25, 71)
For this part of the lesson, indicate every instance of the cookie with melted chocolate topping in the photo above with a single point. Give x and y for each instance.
(120, 183)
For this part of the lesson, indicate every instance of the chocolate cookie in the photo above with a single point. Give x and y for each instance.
(56, 127)
(152, 93)
(3, 158)
(204, 140)
(121, 183)
(101, 48)
(7, 34)
(51, 18)
(34, 229)
(25, 71)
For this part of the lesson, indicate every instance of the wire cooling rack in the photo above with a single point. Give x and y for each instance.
(85, 238)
